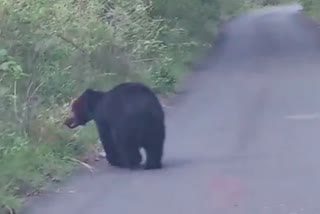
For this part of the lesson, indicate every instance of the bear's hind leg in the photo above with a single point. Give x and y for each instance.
(153, 144)
(154, 156)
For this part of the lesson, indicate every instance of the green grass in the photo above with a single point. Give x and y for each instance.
(312, 8)
(28, 167)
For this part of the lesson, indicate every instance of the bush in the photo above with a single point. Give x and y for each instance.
(312, 8)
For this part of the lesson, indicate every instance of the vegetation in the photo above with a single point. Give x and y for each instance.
(50, 51)
(312, 8)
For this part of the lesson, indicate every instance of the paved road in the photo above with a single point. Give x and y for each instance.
(244, 138)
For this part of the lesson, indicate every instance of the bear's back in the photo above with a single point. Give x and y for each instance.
(129, 99)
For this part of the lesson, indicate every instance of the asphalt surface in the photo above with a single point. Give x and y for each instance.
(243, 138)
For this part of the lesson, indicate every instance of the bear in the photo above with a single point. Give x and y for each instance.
(127, 117)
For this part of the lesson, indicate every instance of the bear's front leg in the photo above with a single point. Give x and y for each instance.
(127, 149)
(108, 145)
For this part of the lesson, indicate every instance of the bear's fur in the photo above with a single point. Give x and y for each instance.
(128, 117)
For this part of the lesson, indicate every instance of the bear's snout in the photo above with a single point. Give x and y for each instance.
(70, 122)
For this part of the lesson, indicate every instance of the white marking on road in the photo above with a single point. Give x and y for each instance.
(303, 116)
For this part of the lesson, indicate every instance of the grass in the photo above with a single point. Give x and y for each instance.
(312, 8)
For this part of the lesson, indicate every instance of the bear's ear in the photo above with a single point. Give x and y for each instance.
(90, 98)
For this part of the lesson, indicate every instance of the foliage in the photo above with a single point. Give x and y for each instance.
(312, 8)
(50, 51)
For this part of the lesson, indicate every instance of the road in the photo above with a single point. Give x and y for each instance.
(253, 140)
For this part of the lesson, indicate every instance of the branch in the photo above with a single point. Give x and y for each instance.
(69, 41)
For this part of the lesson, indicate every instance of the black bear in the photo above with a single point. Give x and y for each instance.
(128, 117)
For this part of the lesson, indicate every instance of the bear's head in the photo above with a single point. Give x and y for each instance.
(81, 110)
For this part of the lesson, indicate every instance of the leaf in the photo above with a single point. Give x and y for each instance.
(6, 65)
(17, 69)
